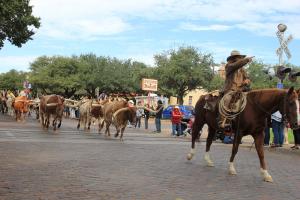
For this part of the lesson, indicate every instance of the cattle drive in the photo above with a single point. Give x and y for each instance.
(234, 110)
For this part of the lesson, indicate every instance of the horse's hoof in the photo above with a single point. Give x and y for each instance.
(268, 179)
(189, 156)
(210, 164)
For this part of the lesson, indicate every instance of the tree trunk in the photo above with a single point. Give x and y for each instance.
(180, 99)
(68, 93)
(91, 92)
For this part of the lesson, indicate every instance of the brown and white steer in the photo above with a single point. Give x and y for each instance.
(51, 105)
(97, 113)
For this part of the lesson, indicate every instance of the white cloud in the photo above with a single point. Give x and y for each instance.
(20, 63)
(88, 19)
(75, 19)
(194, 27)
(85, 29)
(148, 59)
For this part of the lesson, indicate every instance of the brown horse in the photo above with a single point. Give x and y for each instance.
(260, 104)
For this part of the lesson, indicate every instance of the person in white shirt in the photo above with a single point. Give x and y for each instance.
(278, 128)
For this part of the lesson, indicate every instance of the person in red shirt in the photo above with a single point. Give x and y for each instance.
(176, 117)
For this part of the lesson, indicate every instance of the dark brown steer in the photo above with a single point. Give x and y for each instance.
(121, 117)
(51, 105)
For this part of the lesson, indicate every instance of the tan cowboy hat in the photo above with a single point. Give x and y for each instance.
(234, 54)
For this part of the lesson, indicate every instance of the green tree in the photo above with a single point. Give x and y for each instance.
(12, 80)
(92, 72)
(59, 75)
(259, 79)
(216, 83)
(183, 70)
(287, 83)
(16, 22)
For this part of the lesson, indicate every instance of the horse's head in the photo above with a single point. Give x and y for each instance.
(291, 108)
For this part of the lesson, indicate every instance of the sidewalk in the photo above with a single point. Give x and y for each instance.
(247, 141)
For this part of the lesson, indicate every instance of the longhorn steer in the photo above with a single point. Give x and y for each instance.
(85, 113)
(108, 110)
(97, 114)
(20, 105)
(51, 105)
(9, 104)
(121, 117)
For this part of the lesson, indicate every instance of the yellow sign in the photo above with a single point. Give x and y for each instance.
(149, 84)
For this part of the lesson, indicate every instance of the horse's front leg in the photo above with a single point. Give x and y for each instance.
(235, 147)
(197, 127)
(211, 134)
(259, 141)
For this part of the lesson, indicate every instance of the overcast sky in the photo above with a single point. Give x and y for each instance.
(139, 29)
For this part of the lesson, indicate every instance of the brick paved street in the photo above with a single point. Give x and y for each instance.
(71, 164)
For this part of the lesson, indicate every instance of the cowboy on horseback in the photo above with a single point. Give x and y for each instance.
(236, 82)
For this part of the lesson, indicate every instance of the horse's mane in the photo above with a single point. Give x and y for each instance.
(268, 91)
(265, 95)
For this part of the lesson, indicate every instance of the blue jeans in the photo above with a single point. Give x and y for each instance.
(174, 126)
(158, 125)
(267, 136)
(146, 123)
(278, 128)
(138, 122)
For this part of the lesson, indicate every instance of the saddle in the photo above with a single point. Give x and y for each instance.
(211, 100)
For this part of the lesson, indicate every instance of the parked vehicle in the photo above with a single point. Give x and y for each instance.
(186, 110)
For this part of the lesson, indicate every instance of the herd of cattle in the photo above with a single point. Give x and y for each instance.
(51, 107)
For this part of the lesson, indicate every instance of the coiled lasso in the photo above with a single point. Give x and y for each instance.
(226, 112)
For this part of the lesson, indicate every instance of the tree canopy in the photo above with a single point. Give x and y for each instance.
(16, 22)
(183, 70)
(177, 72)
(68, 75)
(12, 80)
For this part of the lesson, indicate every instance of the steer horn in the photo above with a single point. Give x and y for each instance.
(120, 110)
(51, 104)
(96, 105)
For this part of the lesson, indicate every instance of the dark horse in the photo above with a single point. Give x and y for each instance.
(260, 105)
